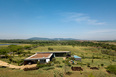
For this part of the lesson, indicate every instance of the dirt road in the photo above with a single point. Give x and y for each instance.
(2, 63)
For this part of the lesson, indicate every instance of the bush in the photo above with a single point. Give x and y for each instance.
(48, 68)
(68, 73)
(102, 65)
(79, 63)
(67, 63)
(60, 66)
(56, 62)
(88, 64)
(71, 58)
(43, 65)
(53, 59)
(111, 69)
(63, 61)
(10, 59)
(50, 48)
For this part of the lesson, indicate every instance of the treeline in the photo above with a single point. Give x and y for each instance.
(73, 43)
(16, 49)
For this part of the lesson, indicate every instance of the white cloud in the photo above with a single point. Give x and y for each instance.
(102, 31)
(101, 34)
(82, 18)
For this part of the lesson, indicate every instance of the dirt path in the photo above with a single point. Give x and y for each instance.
(2, 63)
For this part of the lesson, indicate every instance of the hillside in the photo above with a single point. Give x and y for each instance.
(39, 38)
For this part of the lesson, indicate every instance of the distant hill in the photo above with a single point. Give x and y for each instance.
(39, 38)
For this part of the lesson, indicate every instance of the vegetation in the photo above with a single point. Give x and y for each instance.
(73, 43)
(93, 54)
(111, 69)
(12, 52)
(39, 65)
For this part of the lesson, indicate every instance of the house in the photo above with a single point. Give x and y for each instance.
(45, 57)
(77, 57)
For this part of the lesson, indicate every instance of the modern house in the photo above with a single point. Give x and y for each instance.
(45, 57)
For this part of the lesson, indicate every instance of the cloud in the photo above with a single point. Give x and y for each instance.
(99, 34)
(102, 31)
(81, 18)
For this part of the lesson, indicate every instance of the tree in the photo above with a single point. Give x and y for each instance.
(92, 61)
(102, 65)
(50, 48)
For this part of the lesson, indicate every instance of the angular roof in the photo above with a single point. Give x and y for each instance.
(75, 56)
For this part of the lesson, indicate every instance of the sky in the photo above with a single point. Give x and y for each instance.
(80, 19)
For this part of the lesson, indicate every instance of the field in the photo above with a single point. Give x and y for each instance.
(85, 52)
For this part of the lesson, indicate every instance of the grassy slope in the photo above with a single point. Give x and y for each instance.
(86, 51)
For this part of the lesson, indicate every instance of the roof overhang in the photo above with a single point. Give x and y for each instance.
(30, 58)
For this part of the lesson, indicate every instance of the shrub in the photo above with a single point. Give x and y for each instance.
(79, 63)
(38, 62)
(71, 58)
(48, 68)
(10, 59)
(111, 69)
(43, 65)
(102, 65)
(53, 59)
(20, 62)
(52, 63)
(68, 73)
(57, 62)
(14, 61)
(60, 66)
(50, 48)
(88, 64)
(67, 63)
(92, 60)
(73, 63)
(63, 61)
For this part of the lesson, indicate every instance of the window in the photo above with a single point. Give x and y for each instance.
(43, 61)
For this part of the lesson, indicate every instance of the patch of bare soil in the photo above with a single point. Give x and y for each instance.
(76, 68)
(28, 66)
(5, 64)
(64, 58)
(31, 68)
(2, 63)
(94, 68)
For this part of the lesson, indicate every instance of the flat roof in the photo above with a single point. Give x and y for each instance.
(40, 56)
(54, 52)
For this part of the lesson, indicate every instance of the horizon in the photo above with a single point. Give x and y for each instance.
(78, 19)
(58, 38)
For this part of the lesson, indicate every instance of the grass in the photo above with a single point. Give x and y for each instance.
(50, 73)
(77, 50)
(21, 73)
